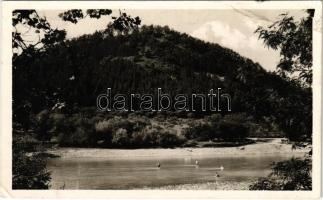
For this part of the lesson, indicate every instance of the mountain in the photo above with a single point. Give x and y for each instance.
(77, 71)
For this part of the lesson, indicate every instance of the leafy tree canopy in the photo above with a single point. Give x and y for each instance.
(294, 40)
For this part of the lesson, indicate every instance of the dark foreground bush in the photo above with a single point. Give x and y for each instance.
(28, 172)
(293, 174)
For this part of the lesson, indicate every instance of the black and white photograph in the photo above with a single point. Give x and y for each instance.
(130, 98)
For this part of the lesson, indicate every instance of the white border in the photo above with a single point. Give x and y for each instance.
(6, 95)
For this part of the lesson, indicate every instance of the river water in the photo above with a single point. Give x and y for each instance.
(105, 173)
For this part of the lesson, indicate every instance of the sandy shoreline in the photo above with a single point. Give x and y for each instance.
(270, 147)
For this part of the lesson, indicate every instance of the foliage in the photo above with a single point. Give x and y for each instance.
(120, 138)
(293, 174)
(78, 131)
(294, 40)
(116, 132)
(75, 15)
(147, 137)
(232, 131)
(103, 126)
(39, 25)
(202, 132)
(214, 118)
(28, 172)
(231, 127)
(123, 24)
(168, 139)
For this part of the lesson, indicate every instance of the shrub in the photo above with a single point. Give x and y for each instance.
(43, 125)
(57, 118)
(153, 136)
(172, 120)
(232, 131)
(241, 118)
(76, 130)
(118, 122)
(105, 130)
(79, 138)
(97, 118)
(202, 132)
(166, 139)
(215, 118)
(121, 138)
(138, 122)
(88, 111)
(103, 133)
(28, 172)
(103, 127)
(147, 137)
(293, 174)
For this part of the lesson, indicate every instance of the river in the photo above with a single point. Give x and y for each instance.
(133, 173)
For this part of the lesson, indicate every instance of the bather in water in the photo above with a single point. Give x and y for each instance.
(197, 164)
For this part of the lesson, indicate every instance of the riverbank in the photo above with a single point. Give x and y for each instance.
(272, 146)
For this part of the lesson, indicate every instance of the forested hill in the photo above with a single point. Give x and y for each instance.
(76, 71)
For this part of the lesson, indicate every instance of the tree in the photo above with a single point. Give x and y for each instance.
(123, 24)
(29, 172)
(26, 21)
(294, 40)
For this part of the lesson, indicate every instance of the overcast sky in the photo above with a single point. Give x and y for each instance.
(230, 28)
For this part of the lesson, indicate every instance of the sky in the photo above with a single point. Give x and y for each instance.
(233, 29)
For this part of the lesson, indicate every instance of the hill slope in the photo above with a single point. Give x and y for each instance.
(78, 70)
